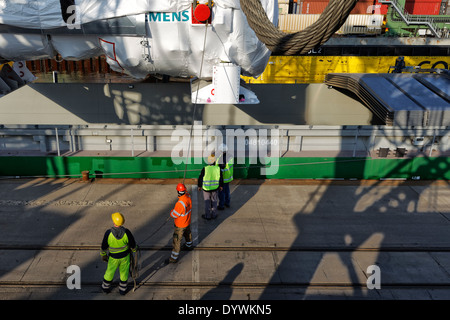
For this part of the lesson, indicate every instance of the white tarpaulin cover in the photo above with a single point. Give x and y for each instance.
(45, 14)
(172, 45)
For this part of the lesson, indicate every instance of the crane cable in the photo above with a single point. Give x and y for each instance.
(195, 103)
(288, 44)
(332, 18)
(134, 266)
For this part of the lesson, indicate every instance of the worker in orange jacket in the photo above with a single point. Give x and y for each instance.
(181, 214)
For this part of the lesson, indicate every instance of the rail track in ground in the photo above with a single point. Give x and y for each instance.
(145, 282)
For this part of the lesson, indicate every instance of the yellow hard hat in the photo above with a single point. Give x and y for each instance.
(118, 219)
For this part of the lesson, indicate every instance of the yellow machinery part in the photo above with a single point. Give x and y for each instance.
(312, 69)
(10, 64)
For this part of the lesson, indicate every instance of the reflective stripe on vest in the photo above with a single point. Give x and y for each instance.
(117, 245)
(228, 171)
(211, 180)
(176, 214)
(182, 217)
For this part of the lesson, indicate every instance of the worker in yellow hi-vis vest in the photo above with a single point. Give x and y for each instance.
(211, 182)
(117, 245)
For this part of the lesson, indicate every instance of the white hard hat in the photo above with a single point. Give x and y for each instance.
(211, 159)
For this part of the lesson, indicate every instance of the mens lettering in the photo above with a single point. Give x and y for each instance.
(181, 16)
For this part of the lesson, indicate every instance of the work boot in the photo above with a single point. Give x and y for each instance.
(123, 288)
(106, 286)
(106, 290)
(187, 248)
(172, 260)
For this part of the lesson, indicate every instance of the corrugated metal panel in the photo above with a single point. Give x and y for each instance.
(400, 99)
(317, 7)
(355, 23)
(365, 7)
(423, 7)
(296, 22)
(438, 110)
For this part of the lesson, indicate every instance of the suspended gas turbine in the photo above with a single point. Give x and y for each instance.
(180, 38)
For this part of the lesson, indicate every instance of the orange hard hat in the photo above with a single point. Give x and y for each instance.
(181, 187)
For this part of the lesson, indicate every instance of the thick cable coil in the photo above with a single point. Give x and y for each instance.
(280, 43)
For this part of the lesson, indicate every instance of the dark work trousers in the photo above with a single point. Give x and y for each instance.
(211, 198)
(178, 235)
(224, 196)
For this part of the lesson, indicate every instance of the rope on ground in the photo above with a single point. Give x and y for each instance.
(280, 43)
(134, 265)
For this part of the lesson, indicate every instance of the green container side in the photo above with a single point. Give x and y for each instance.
(429, 168)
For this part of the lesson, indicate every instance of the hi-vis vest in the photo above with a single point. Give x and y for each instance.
(117, 246)
(227, 172)
(211, 180)
(182, 212)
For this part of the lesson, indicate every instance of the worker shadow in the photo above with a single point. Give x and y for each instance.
(351, 227)
(150, 266)
(222, 233)
(239, 196)
(224, 290)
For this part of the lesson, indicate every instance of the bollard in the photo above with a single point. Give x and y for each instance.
(85, 175)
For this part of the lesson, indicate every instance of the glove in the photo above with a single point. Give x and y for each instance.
(104, 256)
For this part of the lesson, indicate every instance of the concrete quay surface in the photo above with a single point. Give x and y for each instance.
(279, 240)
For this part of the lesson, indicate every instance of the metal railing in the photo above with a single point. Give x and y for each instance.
(165, 140)
(417, 19)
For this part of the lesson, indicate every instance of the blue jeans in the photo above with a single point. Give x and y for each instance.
(224, 196)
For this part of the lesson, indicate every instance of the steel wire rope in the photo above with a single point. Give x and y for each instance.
(280, 43)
